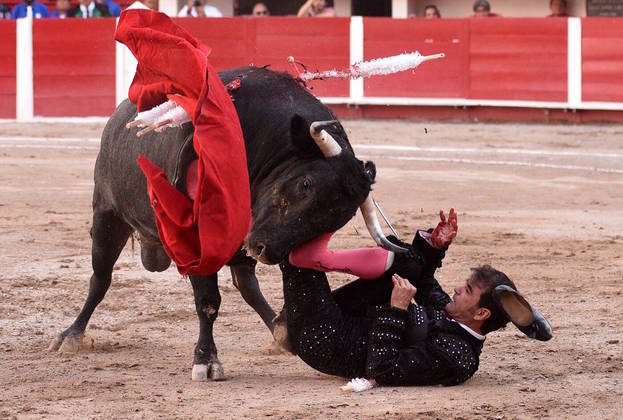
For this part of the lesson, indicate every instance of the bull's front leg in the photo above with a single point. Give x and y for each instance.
(207, 302)
(243, 277)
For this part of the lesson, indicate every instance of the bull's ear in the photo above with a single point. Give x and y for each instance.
(300, 137)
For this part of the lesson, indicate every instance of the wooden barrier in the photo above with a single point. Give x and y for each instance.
(445, 78)
(490, 63)
(518, 59)
(602, 59)
(73, 67)
(322, 44)
(7, 69)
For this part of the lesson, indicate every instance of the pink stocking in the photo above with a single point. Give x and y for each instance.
(367, 263)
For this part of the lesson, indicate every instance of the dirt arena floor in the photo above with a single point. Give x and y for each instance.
(542, 203)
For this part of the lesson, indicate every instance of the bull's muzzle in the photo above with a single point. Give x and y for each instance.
(257, 250)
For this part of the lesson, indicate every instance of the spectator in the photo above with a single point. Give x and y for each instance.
(316, 8)
(431, 12)
(482, 8)
(38, 10)
(260, 10)
(89, 9)
(62, 9)
(558, 8)
(5, 11)
(152, 4)
(113, 8)
(198, 8)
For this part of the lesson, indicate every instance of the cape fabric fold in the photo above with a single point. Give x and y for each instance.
(201, 236)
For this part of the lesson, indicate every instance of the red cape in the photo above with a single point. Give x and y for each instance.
(200, 236)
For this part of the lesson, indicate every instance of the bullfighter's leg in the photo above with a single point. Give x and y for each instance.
(109, 235)
(322, 335)
(207, 302)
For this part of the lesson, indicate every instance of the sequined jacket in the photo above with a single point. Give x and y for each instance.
(420, 345)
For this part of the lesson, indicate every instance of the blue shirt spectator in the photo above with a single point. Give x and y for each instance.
(113, 8)
(38, 10)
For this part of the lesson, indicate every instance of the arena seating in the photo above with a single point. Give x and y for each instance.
(51, 4)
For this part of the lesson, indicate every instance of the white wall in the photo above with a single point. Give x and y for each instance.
(342, 7)
(225, 6)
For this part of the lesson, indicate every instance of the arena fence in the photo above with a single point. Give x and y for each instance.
(503, 68)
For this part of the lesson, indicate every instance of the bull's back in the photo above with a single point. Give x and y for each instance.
(119, 183)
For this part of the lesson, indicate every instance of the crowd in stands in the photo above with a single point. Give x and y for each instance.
(200, 8)
(482, 8)
(64, 9)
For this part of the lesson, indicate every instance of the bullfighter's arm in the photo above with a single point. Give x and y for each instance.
(432, 245)
(429, 291)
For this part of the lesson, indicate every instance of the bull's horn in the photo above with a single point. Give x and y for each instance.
(372, 223)
(326, 143)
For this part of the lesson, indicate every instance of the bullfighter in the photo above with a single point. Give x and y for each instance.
(372, 329)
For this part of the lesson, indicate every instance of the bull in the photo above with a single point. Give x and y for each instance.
(299, 187)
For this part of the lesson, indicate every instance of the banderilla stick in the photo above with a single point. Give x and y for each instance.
(153, 127)
(378, 207)
(134, 123)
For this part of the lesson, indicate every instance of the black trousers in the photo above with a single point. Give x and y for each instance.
(329, 331)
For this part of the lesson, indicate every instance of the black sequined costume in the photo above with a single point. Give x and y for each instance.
(353, 332)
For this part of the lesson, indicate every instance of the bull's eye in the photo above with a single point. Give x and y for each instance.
(306, 185)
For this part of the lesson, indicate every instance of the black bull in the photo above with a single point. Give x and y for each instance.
(296, 194)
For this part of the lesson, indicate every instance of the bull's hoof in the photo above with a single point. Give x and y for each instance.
(56, 343)
(276, 349)
(213, 370)
(70, 344)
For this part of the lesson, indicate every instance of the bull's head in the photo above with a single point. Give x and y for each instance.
(312, 195)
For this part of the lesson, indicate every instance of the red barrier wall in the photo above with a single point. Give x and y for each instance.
(602, 59)
(323, 44)
(504, 59)
(229, 38)
(74, 78)
(445, 78)
(7, 69)
(518, 59)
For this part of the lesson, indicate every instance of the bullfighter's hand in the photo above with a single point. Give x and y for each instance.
(445, 231)
(402, 293)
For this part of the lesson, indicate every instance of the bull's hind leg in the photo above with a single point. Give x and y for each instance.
(207, 302)
(109, 235)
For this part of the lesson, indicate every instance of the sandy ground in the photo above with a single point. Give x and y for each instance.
(542, 203)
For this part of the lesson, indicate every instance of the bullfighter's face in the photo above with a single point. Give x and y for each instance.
(464, 305)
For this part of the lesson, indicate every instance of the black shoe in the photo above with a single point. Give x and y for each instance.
(526, 318)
